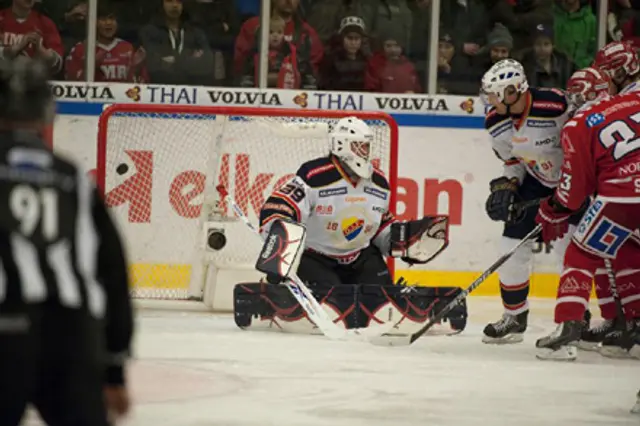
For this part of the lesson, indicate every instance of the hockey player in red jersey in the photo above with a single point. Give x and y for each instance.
(116, 59)
(620, 61)
(27, 32)
(601, 146)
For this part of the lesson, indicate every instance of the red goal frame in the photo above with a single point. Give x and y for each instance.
(110, 111)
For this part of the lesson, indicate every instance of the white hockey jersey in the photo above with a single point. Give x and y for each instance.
(530, 143)
(342, 217)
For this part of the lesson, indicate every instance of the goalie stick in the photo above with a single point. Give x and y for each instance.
(306, 299)
(388, 340)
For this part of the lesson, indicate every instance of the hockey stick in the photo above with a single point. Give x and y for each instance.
(388, 340)
(616, 299)
(306, 299)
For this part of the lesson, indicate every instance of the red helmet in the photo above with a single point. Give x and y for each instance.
(586, 85)
(619, 59)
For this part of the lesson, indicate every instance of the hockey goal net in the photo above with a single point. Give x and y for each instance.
(158, 166)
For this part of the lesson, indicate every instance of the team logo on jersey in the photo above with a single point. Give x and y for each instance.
(375, 192)
(352, 227)
(324, 210)
(333, 191)
(595, 119)
(541, 124)
(379, 209)
(607, 237)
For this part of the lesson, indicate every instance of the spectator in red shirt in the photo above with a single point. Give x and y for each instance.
(27, 32)
(286, 69)
(116, 59)
(389, 71)
(296, 31)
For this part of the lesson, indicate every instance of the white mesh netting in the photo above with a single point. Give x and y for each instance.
(158, 167)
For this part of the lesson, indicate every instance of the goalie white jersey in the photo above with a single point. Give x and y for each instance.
(531, 143)
(342, 217)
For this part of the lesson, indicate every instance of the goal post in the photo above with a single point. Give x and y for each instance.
(158, 167)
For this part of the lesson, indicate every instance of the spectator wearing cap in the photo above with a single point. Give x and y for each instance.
(116, 59)
(176, 51)
(518, 16)
(296, 31)
(544, 65)
(498, 47)
(344, 68)
(389, 71)
(453, 69)
(287, 69)
(575, 31)
(326, 16)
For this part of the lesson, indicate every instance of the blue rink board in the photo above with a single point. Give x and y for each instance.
(408, 120)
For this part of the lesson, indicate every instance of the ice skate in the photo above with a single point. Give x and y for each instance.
(592, 337)
(557, 346)
(509, 329)
(619, 344)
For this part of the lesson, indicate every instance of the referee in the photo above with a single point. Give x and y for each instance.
(65, 314)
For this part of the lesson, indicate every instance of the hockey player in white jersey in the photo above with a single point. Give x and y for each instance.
(343, 202)
(524, 125)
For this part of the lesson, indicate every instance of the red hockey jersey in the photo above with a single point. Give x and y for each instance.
(114, 62)
(602, 153)
(13, 30)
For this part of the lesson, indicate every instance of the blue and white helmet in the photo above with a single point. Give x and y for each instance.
(502, 74)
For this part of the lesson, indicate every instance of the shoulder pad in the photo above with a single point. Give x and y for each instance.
(496, 123)
(548, 103)
(319, 172)
(379, 179)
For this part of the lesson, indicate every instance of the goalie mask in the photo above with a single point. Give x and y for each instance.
(352, 142)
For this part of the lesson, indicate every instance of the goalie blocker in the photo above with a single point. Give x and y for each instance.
(356, 302)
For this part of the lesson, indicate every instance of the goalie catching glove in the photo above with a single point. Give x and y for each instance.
(282, 250)
(419, 241)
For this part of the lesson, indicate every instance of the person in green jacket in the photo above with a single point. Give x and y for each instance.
(575, 30)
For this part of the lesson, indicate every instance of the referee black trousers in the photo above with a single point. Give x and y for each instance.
(55, 366)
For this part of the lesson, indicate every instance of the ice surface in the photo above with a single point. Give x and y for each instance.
(197, 368)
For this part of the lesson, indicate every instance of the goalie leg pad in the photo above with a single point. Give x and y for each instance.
(410, 305)
(264, 302)
(355, 306)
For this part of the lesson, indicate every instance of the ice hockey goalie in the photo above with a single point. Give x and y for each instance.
(342, 202)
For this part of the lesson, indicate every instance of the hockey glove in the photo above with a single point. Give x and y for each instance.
(419, 241)
(554, 219)
(503, 195)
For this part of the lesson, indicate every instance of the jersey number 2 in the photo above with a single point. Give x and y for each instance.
(621, 136)
(31, 207)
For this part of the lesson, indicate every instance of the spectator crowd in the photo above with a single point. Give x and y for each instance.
(342, 45)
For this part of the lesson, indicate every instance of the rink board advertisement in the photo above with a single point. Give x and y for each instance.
(445, 163)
